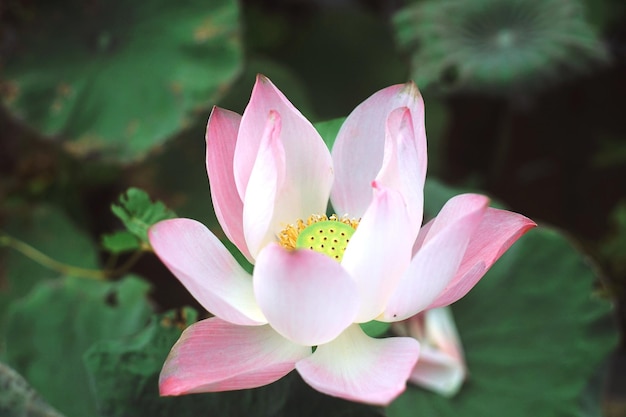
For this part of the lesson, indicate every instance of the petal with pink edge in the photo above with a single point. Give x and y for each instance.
(438, 259)
(214, 355)
(359, 148)
(357, 367)
(206, 268)
(497, 231)
(308, 165)
(306, 296)
(266, 180)
(221, 137)
(379, 251)
(401, 168)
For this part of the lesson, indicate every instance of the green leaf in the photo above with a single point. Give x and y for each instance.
(48, 331)
(495, 46)
(138, 212)
(125, 374)
(18, 399)
(121, 241)
(116, 79)
(533, 335)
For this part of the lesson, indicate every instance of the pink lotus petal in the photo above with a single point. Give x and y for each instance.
(266, 180)
(441, 366)
(437, 261)
(359, 148)
(357, 367)
(306, 296)
(206, 268)
(401, 169)
(214, 355)
(221, 137)
(308, 165)
(379, 251)
(498, 230)
(439, 372)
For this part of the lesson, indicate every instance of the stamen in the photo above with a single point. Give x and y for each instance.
(327, 235)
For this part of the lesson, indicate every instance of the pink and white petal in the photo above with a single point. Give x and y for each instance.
(437, 261)
(441, 366)
(266, 180)
(401, 169)
(214, 355)
(421, 236)
(438, 371)
(309, 167)
(306, 296)
(221, 137)
(498, 230)
(359, 148)
(455, 208)
(357, 367)
(379, 251)
(441, 331)
(206, 268)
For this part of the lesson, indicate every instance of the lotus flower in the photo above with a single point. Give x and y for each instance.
(316, 278)
(441, 365)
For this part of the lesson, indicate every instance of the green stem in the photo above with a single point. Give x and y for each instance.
(65, 269)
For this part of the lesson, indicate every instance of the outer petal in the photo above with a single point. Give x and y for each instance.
(221, 137)
(214, 355)
(379, 251)
(359, 148)
(437, 261)
(402, 168)
(359, 368)
(309, 170)
(206, 268)
(498, 230)
(264, 187)
(438, 372)
(306, 296)
(441, 366)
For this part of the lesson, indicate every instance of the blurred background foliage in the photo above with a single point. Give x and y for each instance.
(524, 101)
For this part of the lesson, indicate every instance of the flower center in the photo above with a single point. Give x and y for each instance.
(327, 235)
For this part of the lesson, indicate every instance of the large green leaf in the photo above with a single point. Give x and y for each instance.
(48, 331)
(533, 334)
(118, 78)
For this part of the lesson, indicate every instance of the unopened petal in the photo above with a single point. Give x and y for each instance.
(214, 355)
(379, 251)
(435, 264)
(497, 231)
(357, 367)
(359, 148)
(221, 137)
(308, 165)
(306, 296)
(206, 268)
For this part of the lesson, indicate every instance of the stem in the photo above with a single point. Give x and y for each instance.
(65, 269)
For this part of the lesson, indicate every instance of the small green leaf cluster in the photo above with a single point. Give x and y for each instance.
(137, 212)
